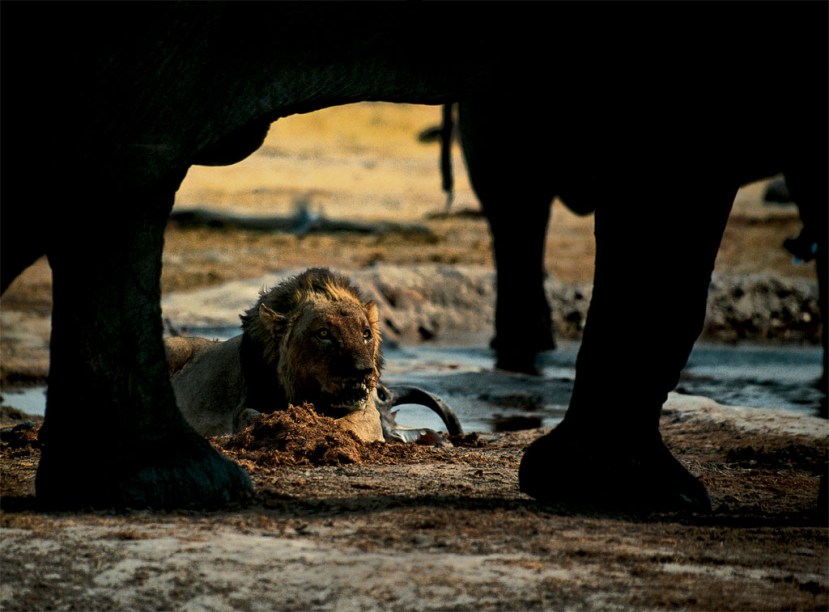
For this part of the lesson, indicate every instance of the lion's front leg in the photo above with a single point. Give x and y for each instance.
(654, 261)
(113, 435)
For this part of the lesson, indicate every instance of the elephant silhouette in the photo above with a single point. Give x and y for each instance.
(106, 106)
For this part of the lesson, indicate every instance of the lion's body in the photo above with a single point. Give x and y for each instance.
(208, 382)
(310, 339)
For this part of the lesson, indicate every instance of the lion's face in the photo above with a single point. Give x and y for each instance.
(329, 354)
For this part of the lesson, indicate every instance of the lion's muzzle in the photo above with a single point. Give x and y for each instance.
(344, 396)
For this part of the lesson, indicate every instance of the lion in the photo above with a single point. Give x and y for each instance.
(311, 339)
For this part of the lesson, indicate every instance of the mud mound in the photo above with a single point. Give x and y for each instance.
(301, 436)
(294, 437)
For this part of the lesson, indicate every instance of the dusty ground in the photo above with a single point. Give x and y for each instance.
(341, 525)
(413, 527)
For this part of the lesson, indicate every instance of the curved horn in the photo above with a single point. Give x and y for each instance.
(414, 395)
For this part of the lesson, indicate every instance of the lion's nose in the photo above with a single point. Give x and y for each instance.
(363, 370)
(351, 367)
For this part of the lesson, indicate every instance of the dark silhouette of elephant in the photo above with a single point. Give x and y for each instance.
(500, 176)
(106, 105)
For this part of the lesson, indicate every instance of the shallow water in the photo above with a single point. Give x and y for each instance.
(756, 376)
(780, 377)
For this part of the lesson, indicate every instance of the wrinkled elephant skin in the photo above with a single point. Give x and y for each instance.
(125, 97)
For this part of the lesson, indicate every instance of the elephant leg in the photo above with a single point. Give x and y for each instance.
(809, 186)
(654, 260)
(19, 251)
(523, 316)
(112, 435)
(511, 179)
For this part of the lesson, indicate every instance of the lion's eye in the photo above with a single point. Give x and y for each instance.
(366, 334)
(323, 334)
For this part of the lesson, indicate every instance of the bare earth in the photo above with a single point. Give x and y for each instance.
(339, 525)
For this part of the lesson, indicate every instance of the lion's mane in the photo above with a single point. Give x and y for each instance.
(262, 348)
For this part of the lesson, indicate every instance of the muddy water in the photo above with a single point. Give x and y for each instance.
(756, 376)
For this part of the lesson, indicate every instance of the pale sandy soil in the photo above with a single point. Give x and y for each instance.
(420, 528)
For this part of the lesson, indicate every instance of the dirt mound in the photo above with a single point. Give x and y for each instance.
(295, 436)
(301, 436)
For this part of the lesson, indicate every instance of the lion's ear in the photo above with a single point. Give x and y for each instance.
(373, 316)
(372, 313)
(271, 320)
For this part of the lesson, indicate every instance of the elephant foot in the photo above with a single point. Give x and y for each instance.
(570, 467)
(522, 363)
(521, 356)
(163, 475)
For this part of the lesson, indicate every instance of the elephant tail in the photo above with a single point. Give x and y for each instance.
(444, 133)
